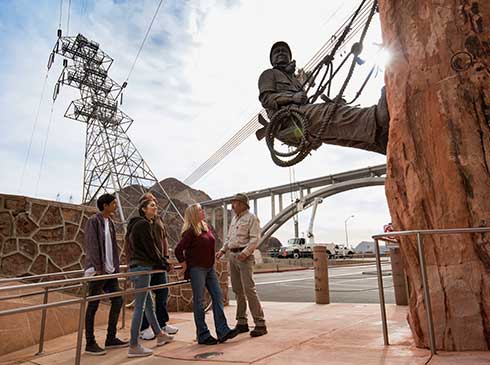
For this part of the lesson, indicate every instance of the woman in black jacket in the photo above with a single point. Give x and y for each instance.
(144, 255)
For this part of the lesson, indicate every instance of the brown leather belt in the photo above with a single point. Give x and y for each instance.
(239, 249)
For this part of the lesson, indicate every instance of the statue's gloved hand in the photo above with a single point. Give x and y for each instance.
(300, 98)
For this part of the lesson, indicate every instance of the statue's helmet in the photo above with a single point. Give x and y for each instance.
(277, 44)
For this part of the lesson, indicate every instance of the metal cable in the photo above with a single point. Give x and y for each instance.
(68, 20)
(144, 40)
(44, 149)
(34, 126)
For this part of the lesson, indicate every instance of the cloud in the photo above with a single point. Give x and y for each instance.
(193, 87)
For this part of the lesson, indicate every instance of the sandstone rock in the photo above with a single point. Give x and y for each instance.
(37, 211)
(70, 231)
(48, 235)
(9, 246)
(52, 217)
(14, 265)
(39, 265)
(24, 226)
(438, 173)
(17, 204)
(72, 215)
(28, 247)
(6, 224)
(62, 254)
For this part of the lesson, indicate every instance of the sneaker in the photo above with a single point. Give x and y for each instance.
(115, 343)
(139, 351)
(94, 349)
(231, 334)
(208, 341)
(258, 331)
(171, 330)
(147, 334)
(242, 328)
(163, 338)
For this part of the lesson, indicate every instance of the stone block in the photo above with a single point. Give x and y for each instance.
(39, 265)
(28, 247)
(48, 235)
(16, 204)
(52, 217)
(6, 223)
(62, 254)
(70, 231)
(24, 226)
(15, 265)
(10, 246)
(72, 215)
(52, 267)
(81, 238)
(37, 211)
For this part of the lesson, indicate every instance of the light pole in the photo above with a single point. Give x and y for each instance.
(345, 226)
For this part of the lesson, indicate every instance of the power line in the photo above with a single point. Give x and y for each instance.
(33, 131)
(61, 12)
(68, 19)
(44, 149)
(144, 40)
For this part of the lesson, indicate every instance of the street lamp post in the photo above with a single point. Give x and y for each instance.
(345, 227)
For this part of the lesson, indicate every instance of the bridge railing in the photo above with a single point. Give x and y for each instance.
(389, 237)
(72, 283)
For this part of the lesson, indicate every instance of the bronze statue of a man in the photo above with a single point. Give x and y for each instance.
(364, 128)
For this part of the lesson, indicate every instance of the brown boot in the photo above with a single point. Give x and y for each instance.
(258, 331)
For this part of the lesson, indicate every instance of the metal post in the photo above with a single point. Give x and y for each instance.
(381, 292)
(320, 263)
(425, 284)
(213, 217)
(273, 206)
(81, 322)
(43, 323)
(123, 324)
(256, 210)
(225, 222)
(280, 202)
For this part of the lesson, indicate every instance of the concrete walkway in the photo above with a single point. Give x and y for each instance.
(299, 333)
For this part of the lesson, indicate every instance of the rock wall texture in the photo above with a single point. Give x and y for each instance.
(439, 159)
(40, 236)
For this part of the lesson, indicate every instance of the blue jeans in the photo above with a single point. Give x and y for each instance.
(161, 296)
(203, 277)
(142, 302)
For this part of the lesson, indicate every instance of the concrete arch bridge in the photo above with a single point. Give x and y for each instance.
(324, 186)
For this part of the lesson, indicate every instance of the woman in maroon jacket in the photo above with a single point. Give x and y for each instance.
(196, 252)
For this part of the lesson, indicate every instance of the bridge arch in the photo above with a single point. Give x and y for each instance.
(287, 213)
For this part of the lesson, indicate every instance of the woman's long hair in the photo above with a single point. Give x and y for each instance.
(193, 221)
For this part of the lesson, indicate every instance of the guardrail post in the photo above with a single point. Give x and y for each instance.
(320, 263)
(43, 323)
(381, 292)
(123, 325)
(428, 307)
(398, 275)
(81, 322)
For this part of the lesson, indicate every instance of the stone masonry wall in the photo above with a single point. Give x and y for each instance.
(40, 236)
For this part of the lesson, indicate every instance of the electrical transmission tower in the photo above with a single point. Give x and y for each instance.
(112, 162)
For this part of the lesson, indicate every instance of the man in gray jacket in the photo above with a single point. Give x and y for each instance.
(102, 257)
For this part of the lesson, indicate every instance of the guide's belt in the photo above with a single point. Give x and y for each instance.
(238, 249)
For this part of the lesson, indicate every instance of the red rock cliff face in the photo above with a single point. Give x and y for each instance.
(439, 159)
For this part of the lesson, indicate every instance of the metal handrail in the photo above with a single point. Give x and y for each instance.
(48, 275)
(423, 271)
(81, 282)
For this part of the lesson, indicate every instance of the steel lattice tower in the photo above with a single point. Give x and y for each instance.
(112, 162)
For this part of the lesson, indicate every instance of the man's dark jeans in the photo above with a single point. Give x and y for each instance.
(95, 288)
(161, 296)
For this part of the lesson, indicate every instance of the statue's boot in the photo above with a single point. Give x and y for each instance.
(382, 116)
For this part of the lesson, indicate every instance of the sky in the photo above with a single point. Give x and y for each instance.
(193, 87)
